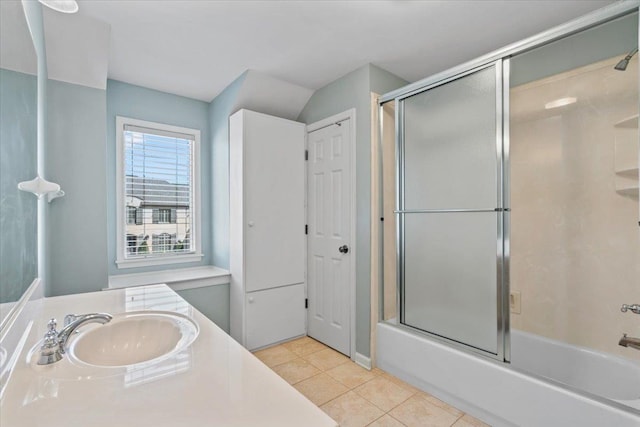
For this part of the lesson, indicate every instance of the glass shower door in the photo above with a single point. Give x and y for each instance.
(450, 211)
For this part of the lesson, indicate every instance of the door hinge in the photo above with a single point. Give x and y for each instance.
(306, 303)
(306, 229)
(306, 154)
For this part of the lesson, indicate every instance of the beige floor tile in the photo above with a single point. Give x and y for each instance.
(378, 371)
(304, 346)
(350, 374)
(443, 405)
(468, 421)
(320, 388)
(326, 359)
(383, 393)
(386, 421)
(274, 356)
(418, 411)
(296, 370)
(351, 410)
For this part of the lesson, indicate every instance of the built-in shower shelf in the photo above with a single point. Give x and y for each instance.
(628, 123)
(628, 191)
(628, 173)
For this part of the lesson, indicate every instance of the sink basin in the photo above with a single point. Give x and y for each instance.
(132, 338)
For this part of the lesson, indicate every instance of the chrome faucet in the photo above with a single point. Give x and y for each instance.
(630, 342)
(55, 343)
(635, 308)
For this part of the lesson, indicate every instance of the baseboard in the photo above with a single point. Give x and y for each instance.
(363, 361)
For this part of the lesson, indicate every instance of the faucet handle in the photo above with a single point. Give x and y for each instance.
(635, 308)
(51, 337)
(69, 318)
(50, 349)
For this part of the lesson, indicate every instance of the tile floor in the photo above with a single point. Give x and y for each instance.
(354, 396)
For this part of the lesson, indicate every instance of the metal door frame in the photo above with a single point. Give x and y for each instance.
(502, 288)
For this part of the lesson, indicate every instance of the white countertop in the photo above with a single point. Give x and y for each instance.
(213, 382)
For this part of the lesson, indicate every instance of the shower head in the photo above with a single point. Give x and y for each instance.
(622, 65)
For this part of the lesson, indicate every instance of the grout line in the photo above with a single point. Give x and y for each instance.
(335, 398)
(376, 419)
(458, 419)
(396, 419)
(382, 408)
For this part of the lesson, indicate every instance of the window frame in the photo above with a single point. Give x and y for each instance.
(122, 261)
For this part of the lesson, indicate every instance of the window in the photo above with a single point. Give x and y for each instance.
(134, 215)
(164, 216)
(157, 194)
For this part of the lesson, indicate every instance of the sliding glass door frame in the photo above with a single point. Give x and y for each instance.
(601, 16)
(502, 285)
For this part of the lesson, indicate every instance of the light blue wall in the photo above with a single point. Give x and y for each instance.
(81, 158)
(75, 159)
(381, 81)
(212, 301)
(18, 210)
(219, 111)
(95, 161)
(354, 91)
(146, 104)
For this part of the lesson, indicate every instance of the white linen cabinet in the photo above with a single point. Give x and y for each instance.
(267, 228)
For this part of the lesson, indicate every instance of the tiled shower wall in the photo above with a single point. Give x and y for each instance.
(575, 240)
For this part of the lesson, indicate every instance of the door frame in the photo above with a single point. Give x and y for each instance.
(350, 115)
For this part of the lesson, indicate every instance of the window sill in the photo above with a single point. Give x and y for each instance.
(148, 262)
(177, 279)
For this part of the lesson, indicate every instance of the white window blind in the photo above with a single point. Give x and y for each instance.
(158, 180)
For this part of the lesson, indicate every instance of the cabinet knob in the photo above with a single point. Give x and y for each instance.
(251, 300)
(251, 223)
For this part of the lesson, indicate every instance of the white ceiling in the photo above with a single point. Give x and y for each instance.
(77, 49)
(196, 48)
(16, 48)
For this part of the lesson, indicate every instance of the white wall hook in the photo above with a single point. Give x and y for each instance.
(39, 187)
(52, 196)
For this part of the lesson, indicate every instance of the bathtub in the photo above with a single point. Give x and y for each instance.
(504, 395)
(581, 368)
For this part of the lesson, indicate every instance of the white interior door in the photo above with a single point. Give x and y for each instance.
(329, 246)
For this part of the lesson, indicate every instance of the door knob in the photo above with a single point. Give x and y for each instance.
(343, 249)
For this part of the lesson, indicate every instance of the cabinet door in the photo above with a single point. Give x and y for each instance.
(274, 315)
(273, 201)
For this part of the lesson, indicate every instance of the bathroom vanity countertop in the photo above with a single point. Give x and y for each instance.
(213, 382)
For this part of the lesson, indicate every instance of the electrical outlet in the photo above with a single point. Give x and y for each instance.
(514, 302)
